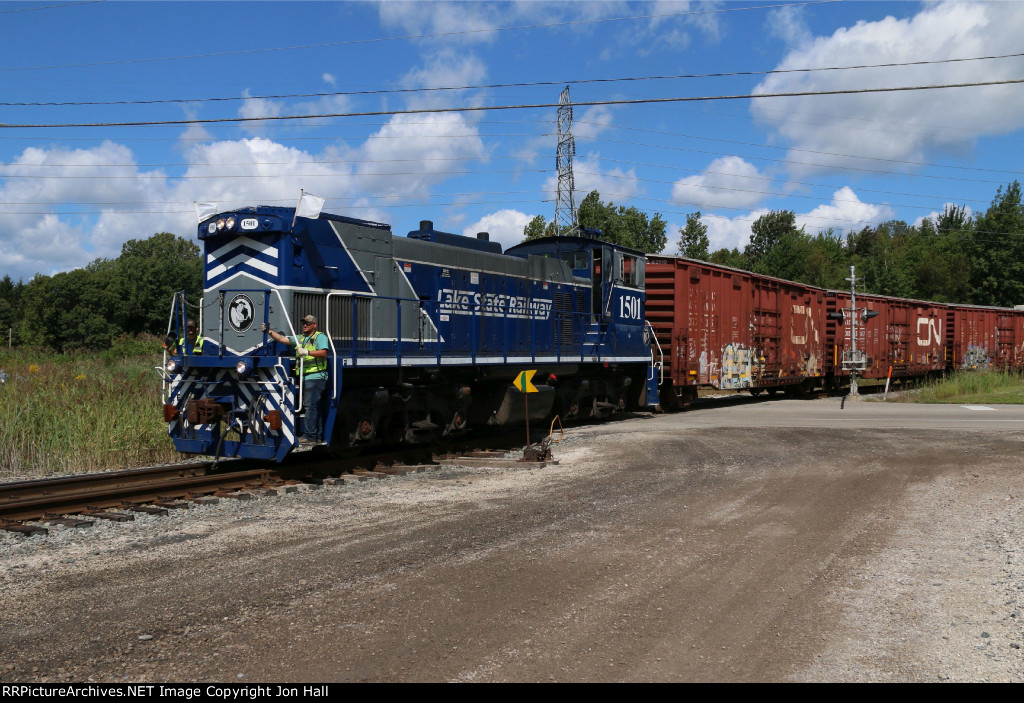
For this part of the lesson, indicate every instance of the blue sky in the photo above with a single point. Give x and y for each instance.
(71, 194)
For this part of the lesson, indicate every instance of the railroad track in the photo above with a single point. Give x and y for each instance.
(81, 500)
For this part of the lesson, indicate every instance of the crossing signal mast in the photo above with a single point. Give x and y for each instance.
(854, 359)
(566, 221)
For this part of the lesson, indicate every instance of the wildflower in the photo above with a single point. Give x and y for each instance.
(80, 377)
(32, 368)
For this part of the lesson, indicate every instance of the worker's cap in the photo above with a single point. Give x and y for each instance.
(310, 319)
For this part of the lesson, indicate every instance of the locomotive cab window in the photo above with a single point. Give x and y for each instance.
(629, 270)
(576, 259)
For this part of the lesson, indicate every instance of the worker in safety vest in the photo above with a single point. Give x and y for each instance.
(196, 343)
(311, 366)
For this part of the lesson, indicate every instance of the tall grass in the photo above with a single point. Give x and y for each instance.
(77, 412)
(989, 386)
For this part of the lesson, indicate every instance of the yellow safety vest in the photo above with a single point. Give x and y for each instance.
(309, 364)
(197, 348)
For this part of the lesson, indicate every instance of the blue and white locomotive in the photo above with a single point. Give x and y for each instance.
(426, 333)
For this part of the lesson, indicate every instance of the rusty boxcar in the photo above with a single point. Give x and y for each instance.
(895, 337)
(725, 328)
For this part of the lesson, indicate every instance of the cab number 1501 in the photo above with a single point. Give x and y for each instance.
(629, 307)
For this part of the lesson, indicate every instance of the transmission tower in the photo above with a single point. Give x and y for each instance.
(565, 205)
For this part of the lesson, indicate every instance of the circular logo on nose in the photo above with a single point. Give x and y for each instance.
(241, 313)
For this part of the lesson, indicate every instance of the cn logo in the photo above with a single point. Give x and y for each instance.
(932, 331)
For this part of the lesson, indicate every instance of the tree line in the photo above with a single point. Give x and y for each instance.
(91, 307)
(954, 257)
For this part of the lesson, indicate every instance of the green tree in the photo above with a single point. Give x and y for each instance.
(693, 239)
(825, 264)
(148, 272)
(997, 271)
(883, 259)
(729, 257)
(10, 306)
(766, 233)
(71, 310)
(538, 227)
(621, 225)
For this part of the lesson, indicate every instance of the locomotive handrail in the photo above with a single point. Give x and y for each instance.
(661, 355)
(330, 340)
(506, 346)
(291, 328)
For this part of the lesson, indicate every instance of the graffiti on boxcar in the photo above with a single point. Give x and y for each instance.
(933, 331)
(975, 357)
(737, 366)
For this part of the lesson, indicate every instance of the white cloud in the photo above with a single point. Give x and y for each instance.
(329, 79)
(413, 152)
(844, 213)
(728, 182)
(465, 22)
(788, 24)
(246, 169)
(254, 108)
(125, 202)
(730, 232)
(444, 68)
(614, 184)
(35, 238)
(670, 29)
(504, 227)
(917, 122)
(592, 122)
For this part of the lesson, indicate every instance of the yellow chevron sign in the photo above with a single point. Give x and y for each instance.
(523, 382)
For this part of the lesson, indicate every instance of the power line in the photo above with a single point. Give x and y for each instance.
(490, 108)
(532, 84)
(436, 35)
(806, 151)
(49, 7)
(785, 161)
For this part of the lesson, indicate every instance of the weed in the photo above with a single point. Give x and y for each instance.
(63, 413)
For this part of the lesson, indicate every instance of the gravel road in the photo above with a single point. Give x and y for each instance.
(736, 544)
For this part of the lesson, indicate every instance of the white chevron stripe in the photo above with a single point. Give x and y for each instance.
(268, 249)
(270, 269)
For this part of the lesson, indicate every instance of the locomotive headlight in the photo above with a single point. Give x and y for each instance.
(229, 223)
(221, 224)
(173, 366)
(243, 368)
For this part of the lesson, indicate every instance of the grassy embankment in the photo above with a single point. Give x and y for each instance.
(980, 387)
(72, 413)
